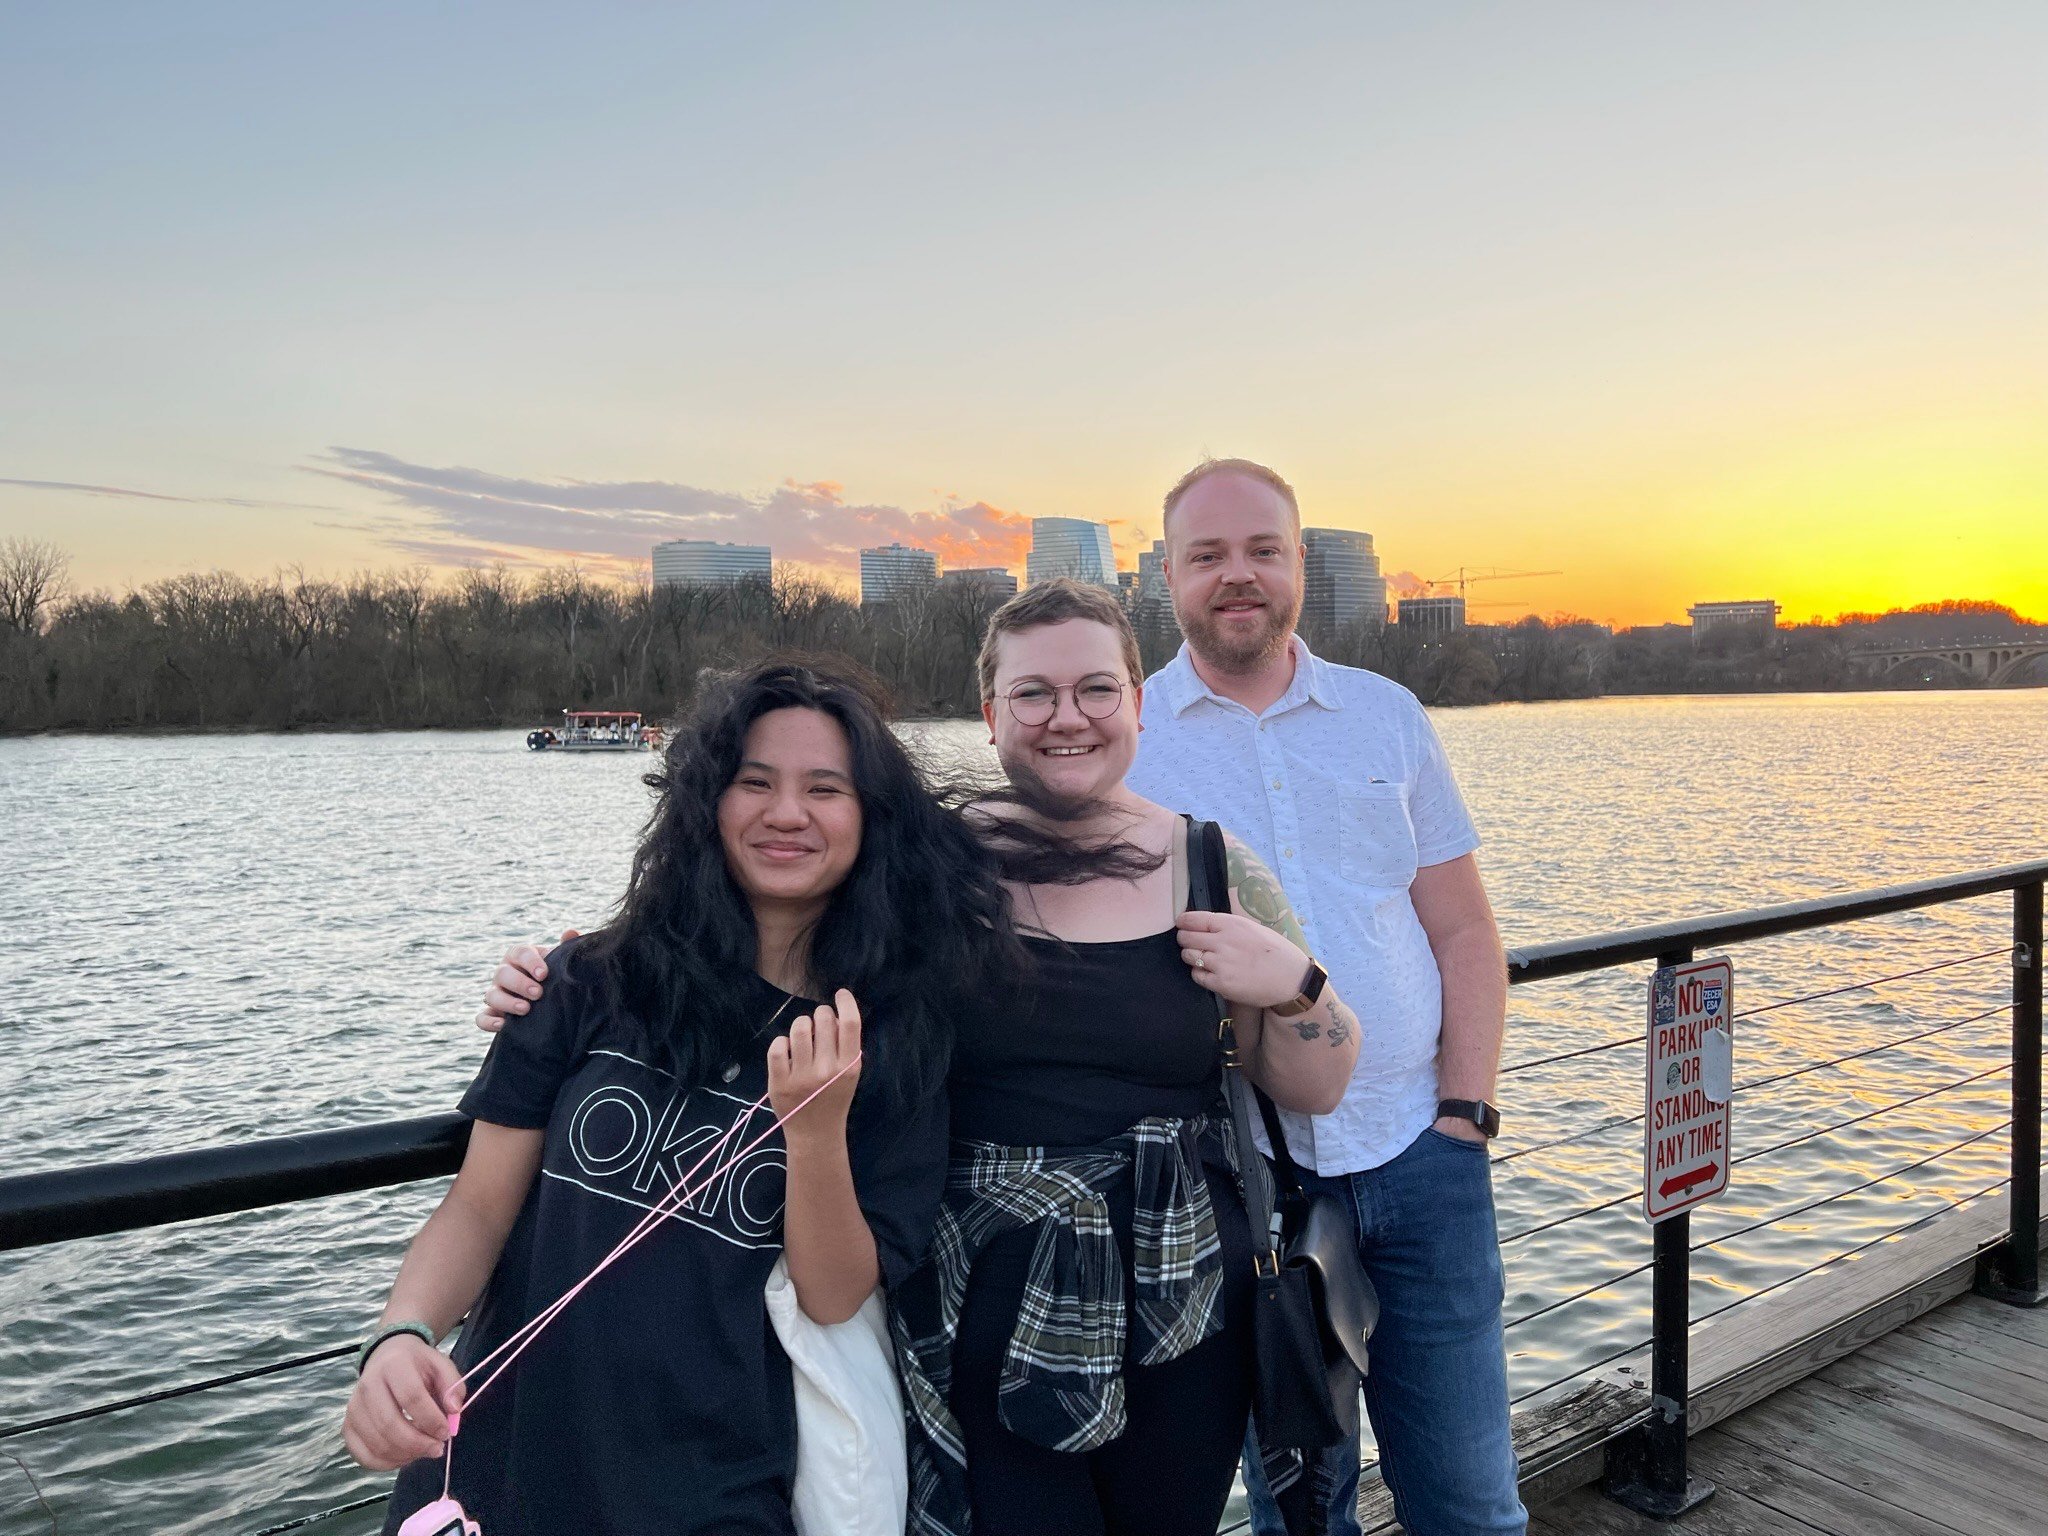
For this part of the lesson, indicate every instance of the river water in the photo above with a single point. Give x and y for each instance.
(215, 938)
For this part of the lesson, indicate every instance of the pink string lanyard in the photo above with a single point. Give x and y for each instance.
(680, 1193)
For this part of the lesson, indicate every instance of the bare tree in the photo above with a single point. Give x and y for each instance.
(31, 579)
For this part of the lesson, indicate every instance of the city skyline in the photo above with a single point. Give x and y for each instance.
(1677, 304)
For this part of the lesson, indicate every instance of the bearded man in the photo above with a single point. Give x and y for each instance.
(1335, 777)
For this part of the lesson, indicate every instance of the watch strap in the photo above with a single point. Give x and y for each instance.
(1478, 1111)
(1311, 992)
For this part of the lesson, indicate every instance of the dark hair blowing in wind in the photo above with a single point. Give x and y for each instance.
(920, 925)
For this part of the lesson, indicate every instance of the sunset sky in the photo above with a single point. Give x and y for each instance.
(1687, 302)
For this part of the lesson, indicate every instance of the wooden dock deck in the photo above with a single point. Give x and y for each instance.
(1877, 1397)
(1937, 1429)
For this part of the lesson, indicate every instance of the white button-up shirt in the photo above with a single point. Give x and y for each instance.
(1343, 789)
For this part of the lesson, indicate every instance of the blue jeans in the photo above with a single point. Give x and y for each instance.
(1438, 1391)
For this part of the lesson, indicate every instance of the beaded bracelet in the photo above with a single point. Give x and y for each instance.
(419, 1330)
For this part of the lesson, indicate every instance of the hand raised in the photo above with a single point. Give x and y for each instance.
(399, 1411)
(1240, 959)
(516, 985)
(821, 1048)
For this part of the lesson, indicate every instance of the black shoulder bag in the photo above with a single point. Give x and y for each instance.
(1314, 1309)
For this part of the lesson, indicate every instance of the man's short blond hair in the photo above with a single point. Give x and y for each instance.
(1249, 468)
(1054, 602)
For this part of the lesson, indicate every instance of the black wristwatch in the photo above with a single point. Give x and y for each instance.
(1478, 1111)
(1311, 992)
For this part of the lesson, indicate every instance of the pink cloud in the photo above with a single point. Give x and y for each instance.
(808, 522)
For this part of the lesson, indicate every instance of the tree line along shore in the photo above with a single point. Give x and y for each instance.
(490, 647)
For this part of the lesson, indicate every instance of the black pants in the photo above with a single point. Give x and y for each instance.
(1169, 1472)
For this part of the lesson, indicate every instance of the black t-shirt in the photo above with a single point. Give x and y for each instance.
(1103, 1035)
(659, 1401)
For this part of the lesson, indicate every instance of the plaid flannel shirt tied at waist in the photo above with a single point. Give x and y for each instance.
(1061, 1384)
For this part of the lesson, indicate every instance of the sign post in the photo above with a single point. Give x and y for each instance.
(1688, 1081)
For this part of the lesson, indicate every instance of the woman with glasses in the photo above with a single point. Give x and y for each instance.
(1076, 1345)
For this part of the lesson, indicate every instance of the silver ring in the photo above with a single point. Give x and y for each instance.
(407, 1417)
(1200, 963)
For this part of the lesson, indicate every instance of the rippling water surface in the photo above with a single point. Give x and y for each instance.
(210, 939)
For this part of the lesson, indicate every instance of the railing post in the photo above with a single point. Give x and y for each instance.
(1647, 1470)
(2012, 1272)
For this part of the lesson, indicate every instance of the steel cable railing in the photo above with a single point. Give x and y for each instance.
(340, 1351)
(119, 1197)
(1897, 1104)
(2003, 951)
(1750, 1013)
(324, 1514)
(1847, 1253)
(1888, 1045)
(337, 1352)
(1769, 1221)
(1765, 1082)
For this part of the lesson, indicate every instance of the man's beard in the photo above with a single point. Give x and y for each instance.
(1214, 642)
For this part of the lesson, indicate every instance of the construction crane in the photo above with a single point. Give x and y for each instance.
(1469, 574)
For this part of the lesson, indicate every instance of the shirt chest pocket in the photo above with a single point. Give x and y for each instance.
(1377, 837)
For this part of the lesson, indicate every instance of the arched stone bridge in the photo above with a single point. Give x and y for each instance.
(1992, 662)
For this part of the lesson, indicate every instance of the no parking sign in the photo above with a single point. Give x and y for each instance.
(1689, 1069)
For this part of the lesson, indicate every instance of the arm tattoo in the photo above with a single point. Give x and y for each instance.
(1308, 1028)
(1343, 1022)
(1260, 894)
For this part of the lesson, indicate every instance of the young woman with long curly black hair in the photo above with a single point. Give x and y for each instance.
(794, 855)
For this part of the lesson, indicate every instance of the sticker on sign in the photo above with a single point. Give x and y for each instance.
(1689, 1073)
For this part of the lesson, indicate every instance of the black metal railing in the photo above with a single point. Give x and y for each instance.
(1648, 1467)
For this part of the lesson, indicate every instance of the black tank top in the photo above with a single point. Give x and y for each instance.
(1096, 1039)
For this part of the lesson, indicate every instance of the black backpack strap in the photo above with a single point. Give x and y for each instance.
(1209, 891)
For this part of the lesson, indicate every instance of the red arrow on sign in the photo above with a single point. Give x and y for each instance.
(1680, 1182)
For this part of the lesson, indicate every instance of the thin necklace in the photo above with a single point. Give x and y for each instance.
(775, 1017)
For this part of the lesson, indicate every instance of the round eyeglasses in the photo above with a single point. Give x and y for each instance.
(1098, 696)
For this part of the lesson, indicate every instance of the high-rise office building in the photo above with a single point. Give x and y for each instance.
(1341, 581)
(1152, 573)
(893, 570)
(1433, 617)
(1070, 546)
(994, 577)
(1155, 598)
(701, 563)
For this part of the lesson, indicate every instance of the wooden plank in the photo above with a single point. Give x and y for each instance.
(1986, 1451)
(2028, 1325)
(1804, 1489)
(1867, 1375)
(1761, 1348)
(1728, 1513)
(1922, 1467)
(1993, 1381)
(1965, 1337)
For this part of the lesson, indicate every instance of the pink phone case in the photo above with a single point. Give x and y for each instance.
(443, 1517)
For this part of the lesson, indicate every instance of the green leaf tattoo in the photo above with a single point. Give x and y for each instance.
(1343, 1023)
(1260, 894)
(1308, 1029)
